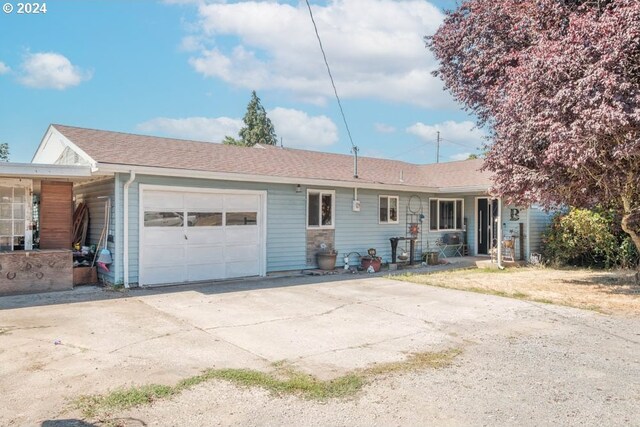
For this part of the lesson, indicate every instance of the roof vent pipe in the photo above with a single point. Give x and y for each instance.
(355, 161)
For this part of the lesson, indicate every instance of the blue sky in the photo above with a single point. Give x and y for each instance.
(186, 68)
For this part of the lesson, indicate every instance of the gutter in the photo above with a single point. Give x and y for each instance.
(35, 170)
(125, 251)
(107, 168)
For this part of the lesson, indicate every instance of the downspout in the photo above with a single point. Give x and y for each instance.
(125, 251)
(500, 266)
(528, 228)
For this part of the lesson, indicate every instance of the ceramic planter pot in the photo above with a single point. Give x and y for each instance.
(367, 261)
(326, 260)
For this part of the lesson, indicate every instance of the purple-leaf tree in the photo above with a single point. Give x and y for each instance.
(557, 83)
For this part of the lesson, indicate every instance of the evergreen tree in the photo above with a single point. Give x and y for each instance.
(257, 129)
(4, 152)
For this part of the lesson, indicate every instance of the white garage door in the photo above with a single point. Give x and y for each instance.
(193, 236)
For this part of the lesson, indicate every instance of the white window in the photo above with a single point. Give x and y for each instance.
(320, 208)
(388, 209)
(13, 217)
(445, 214)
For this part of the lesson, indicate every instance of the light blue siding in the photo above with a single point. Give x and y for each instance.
(95, 195)
(286, 221)
(286, 232)
(539, 222)
(359, 231)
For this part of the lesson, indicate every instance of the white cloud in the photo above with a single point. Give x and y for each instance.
(463, 134)
(383, 128)
(191, 44)
(374, 47)
(196, 128)
(51, 70)
(4, 68)
(299, 130)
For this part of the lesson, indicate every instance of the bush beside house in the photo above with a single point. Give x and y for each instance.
(588, 238)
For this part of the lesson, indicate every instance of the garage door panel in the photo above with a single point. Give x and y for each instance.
(241, 202)
(203, 202)
(242, 269)
(206, 235)
(164, 274)
(162, 235)
(242, 252)
(203, 254)
(164, 255)
(243, 234)
(197, 236)
(162, 200)
(200, 272)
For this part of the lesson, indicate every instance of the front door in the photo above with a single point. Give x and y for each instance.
(483, 226)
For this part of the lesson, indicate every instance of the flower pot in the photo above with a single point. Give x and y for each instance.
(326, 260)
(432, 258)
(375, 262)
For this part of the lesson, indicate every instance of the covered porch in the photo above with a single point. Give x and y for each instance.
(37, 204)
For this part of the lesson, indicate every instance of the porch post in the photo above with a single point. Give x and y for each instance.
(499, 243)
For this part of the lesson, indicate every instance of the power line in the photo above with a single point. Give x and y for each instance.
(411, 149)
(420, 144)
(454, 143)
(344, 118)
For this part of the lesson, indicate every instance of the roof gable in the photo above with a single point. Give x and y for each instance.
(56, 148)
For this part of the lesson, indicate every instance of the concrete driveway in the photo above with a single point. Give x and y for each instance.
(55, 347)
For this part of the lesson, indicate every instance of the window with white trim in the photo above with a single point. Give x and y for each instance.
(445, 214)
(388, 209)
(13, 209)
(320, 208)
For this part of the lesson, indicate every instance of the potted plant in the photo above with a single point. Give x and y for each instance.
(326, 259)
(371, 260)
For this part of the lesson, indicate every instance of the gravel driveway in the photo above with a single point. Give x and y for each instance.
(522, 363)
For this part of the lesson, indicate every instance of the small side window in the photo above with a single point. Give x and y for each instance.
(433, 215)
(320, 206)
(204, 219)
(163, 219)
(242, 218)
(388, 209)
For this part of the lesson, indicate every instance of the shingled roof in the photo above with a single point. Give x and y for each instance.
(118, 148)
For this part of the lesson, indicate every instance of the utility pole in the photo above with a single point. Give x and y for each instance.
(438, 148)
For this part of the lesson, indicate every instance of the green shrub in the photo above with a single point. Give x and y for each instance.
(588, 238)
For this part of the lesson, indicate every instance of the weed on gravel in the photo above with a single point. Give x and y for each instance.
(283, 380)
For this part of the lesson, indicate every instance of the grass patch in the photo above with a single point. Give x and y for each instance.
(416, 361)
(520, 295)
(486, 270)
(122, 399)
(599, 291)
(284, 380)
(542, 300)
